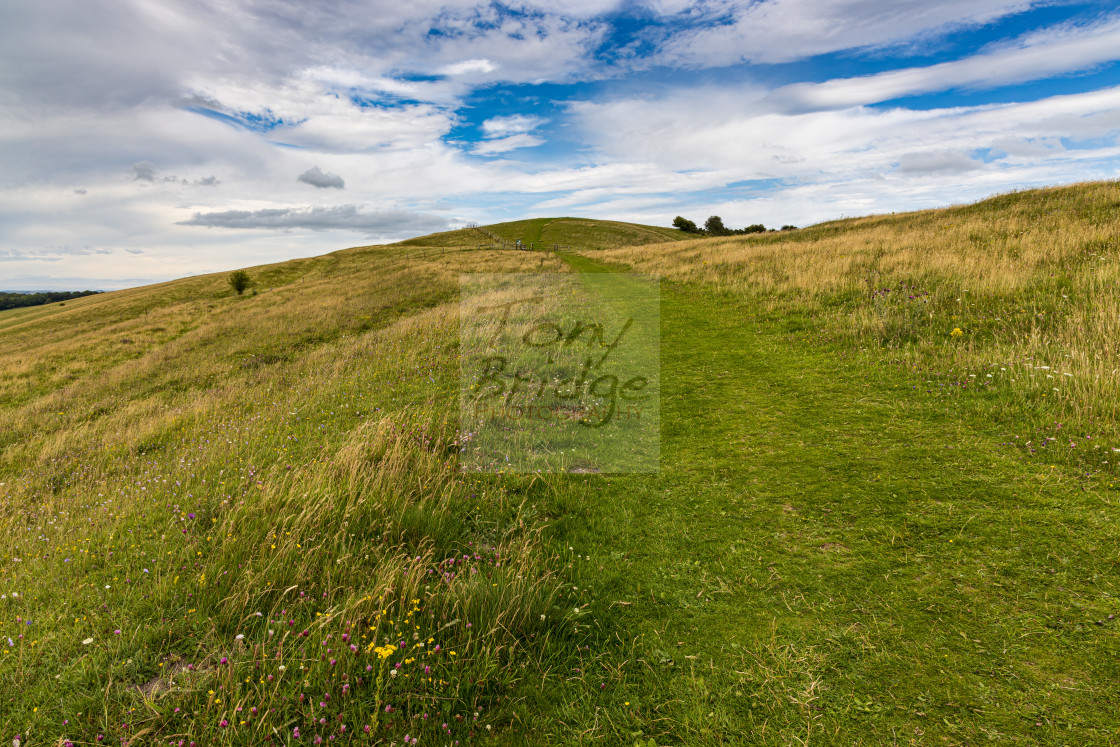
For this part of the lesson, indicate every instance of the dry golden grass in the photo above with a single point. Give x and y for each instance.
(1031, 280)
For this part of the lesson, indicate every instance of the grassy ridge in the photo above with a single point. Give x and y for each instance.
(210, 501)
(580, 233)
(584, 233)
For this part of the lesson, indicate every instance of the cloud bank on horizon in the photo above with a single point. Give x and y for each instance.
(170, 138)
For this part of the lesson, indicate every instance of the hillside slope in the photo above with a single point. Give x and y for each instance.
(192, 481)
(1017, 296)
(884, 508)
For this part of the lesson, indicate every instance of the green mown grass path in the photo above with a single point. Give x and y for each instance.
(829, 556)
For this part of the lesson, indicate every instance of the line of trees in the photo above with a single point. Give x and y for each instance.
(714, 227)
(18, 300)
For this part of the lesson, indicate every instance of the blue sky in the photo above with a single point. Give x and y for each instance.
(145, 140)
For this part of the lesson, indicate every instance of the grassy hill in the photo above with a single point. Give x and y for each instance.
(576, 233)
(886, 511)
(585, 233)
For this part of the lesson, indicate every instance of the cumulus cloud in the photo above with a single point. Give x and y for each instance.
(349, 217)
(321, 179)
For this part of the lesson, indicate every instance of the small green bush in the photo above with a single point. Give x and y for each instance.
(239, 280)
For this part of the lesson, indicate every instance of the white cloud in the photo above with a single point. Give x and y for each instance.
(468, 66)
(334, 78)
(1039, 55)
(508, 133)
(304, 113)
(853, 161)
(510, 125)
(103, 144)
(774, 31)
(677, 136)
(524, 49)
(589, 185)
(506, 144)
